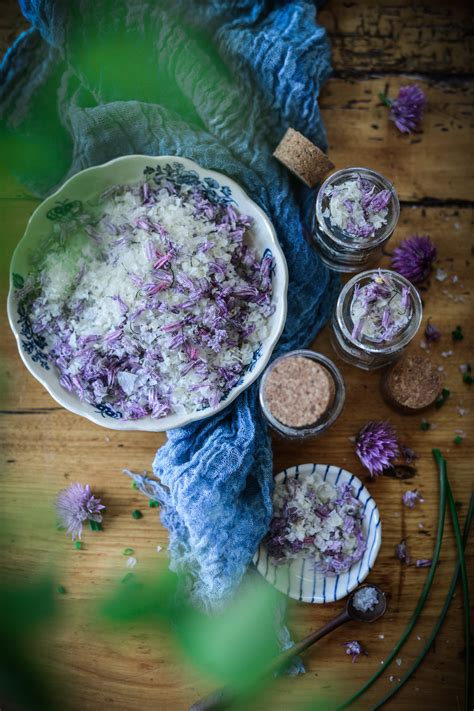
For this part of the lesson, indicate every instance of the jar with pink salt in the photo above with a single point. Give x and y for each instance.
(301, 394)
(355, 214)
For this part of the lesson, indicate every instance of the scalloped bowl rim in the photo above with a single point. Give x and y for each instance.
(148, 424)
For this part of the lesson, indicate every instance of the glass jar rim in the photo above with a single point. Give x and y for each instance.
(367, 242)
(411, 328)
(336, 405)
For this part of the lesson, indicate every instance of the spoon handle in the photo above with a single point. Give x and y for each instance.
(220, 699)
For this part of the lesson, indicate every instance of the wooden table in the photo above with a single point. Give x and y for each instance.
(377, 45)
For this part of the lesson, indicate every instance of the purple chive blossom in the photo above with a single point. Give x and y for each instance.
(75, 505)
(414, 257)
(402, 553)
(423, 563)
(377, 446)
(432, 333)
(354, 649)
(411, 498)
(407, 110)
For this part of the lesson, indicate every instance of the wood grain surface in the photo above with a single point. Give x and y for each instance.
(376, 45)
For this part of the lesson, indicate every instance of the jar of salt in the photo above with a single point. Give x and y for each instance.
(356, 212)
(377, 314)
(301, 394)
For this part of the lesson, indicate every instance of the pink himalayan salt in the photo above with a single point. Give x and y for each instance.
(299, 391)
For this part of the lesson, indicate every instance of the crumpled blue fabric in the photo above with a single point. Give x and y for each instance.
(218, 81)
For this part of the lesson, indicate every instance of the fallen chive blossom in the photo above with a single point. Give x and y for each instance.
(402, 553)
(432, 333)
(457, 334)
(75, 505)
(424, 563)
(377, 446)
(406, 111)
(357, 208)
(411, 498)
(354, 649)
(408, 454)
(413, 258)
(136, 314)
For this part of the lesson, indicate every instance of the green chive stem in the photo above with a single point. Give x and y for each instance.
(439, 623)
(465, 589)
(424, 593)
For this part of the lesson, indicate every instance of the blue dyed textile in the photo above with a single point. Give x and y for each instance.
(218, 81)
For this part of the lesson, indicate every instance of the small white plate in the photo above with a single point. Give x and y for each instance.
(298, 579)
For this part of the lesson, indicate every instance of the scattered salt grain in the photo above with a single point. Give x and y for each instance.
(159, 548)
(455, 278)
(391, 678)
(446, 354)
(131, 562)
(441, 275)
(398, 661)
(366, 599)
(381, 636)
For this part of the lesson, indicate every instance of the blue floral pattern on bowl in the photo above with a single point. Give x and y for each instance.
(66, 205)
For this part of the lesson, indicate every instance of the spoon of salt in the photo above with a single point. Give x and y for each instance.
(361, 606)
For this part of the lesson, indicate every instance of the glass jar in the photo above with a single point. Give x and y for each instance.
(359, 242)
(331, 376)
(363, 346)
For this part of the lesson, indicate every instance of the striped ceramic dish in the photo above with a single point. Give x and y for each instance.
(297, 579)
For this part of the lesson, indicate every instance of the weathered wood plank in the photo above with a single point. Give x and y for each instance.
(437, 162)
(400, 36)
(395, 35)
(45, 448)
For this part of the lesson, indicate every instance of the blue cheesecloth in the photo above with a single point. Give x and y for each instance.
(217, 81)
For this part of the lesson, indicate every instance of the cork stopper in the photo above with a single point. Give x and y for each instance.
(412, 384)
(299, 391)
(302, 158)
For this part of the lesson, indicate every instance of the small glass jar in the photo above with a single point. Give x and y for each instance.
(356, 336)
(326, 385)
(357, 240)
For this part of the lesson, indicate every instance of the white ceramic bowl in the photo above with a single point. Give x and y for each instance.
(298, 579)
(88, 184)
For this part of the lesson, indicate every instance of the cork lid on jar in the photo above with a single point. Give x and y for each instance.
(301, 393)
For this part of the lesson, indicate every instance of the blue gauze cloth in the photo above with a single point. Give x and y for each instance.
(219, 83)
